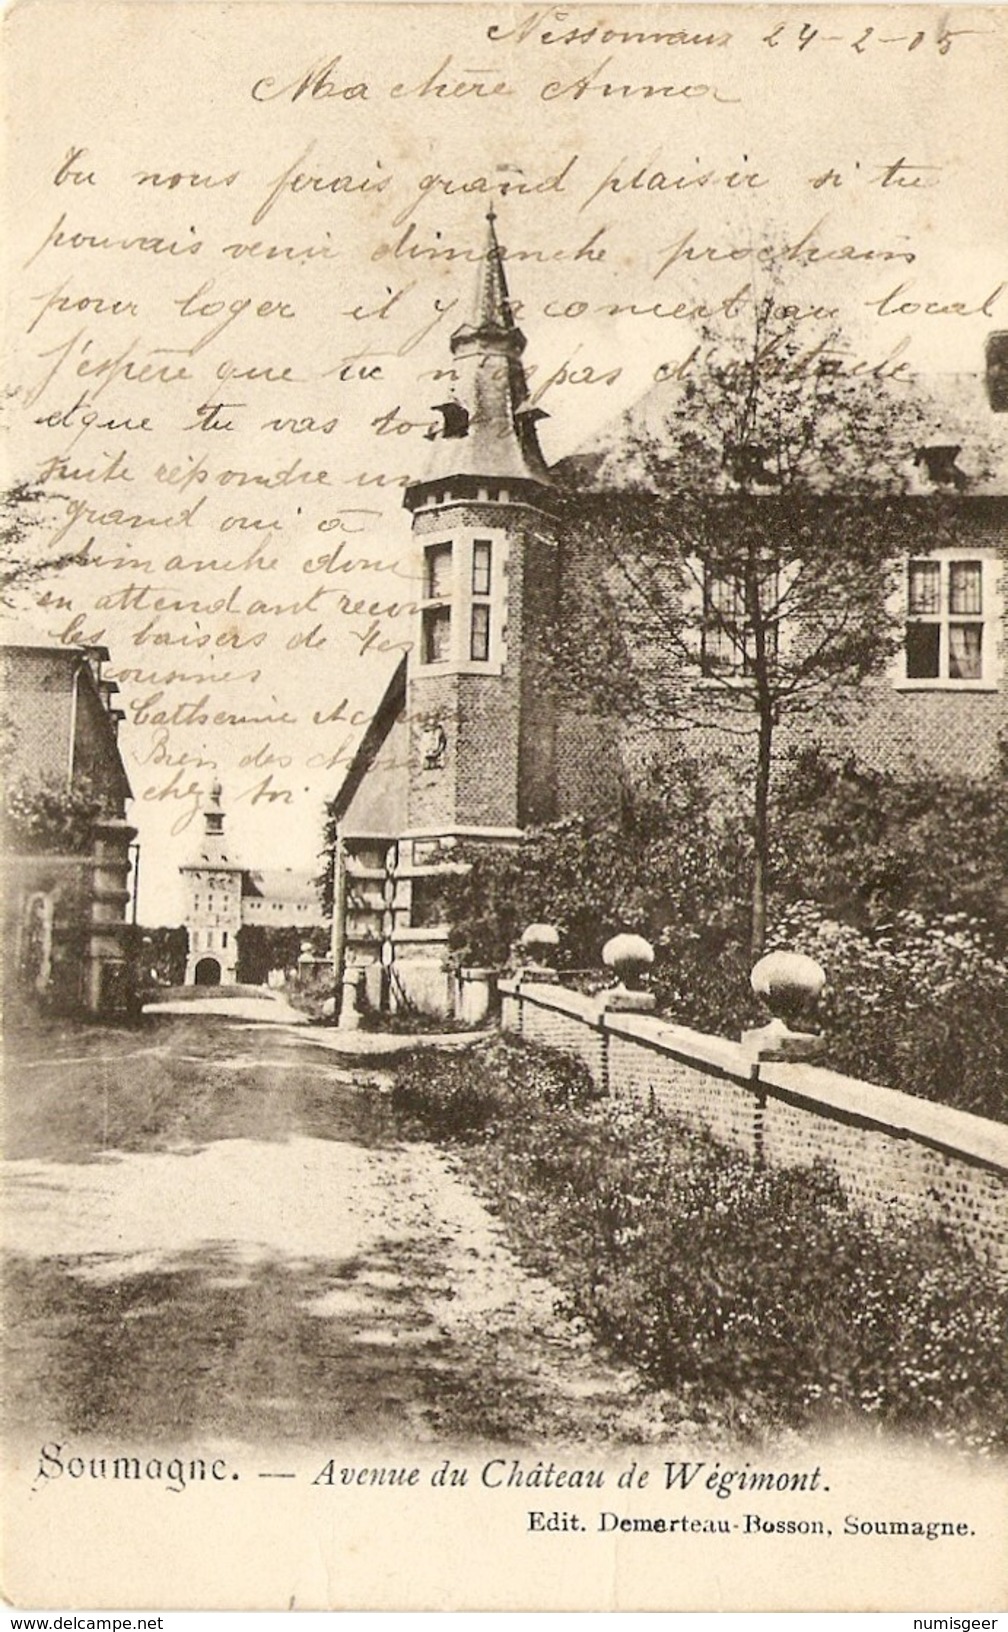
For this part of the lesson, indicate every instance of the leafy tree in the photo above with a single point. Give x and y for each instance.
(22, 559)
(324, 881)
(865, 843)
(262, 947)
(756, 535)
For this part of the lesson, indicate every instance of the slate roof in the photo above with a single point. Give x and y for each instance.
(279, 884)
(953, 410)
(489, 428)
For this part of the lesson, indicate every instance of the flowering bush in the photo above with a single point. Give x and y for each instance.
(444, 1095)
(918, 1005)
(761, 1296)
(891, 883)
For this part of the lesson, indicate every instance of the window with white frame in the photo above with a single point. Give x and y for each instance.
(727, 640)
(948, 620)
(459, 618)
(479, 604)
(436, 618)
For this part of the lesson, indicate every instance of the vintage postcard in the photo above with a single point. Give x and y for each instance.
(503, 735)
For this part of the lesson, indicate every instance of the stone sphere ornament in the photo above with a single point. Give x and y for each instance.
(790, 984)
(630, 958)
(541, 942)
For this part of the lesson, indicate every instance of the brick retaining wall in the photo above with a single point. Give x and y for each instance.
(562, 1021)
(887, 1148)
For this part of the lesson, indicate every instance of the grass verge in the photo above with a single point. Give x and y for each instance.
(762, 1296)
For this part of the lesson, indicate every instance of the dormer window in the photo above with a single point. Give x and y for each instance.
(939, 463)
(454, 420)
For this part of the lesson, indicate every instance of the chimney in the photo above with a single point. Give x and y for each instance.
(997, 371)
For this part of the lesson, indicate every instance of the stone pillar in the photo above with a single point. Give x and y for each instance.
(475, 993)
(108, 977)
(350, 1005)
(339, 907)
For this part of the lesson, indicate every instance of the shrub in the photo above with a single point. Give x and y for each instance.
(39, 817)
(922, 1006)
(761, 1296)
(592, 878)
(888, 880)
(465, 1092)
(867, 844)
(702, 980)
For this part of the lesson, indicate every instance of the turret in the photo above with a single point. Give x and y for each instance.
(479, 708)
(489, 435)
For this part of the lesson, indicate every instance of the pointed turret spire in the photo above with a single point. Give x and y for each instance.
(493, 329)
(492, 314)
(489, 429)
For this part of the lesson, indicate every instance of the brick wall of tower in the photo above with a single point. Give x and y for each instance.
(537, 770)
(589, 764)
(432, 794)
(498, 768)
(488, 784)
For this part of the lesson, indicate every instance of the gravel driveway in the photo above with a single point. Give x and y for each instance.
(213, 1229)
